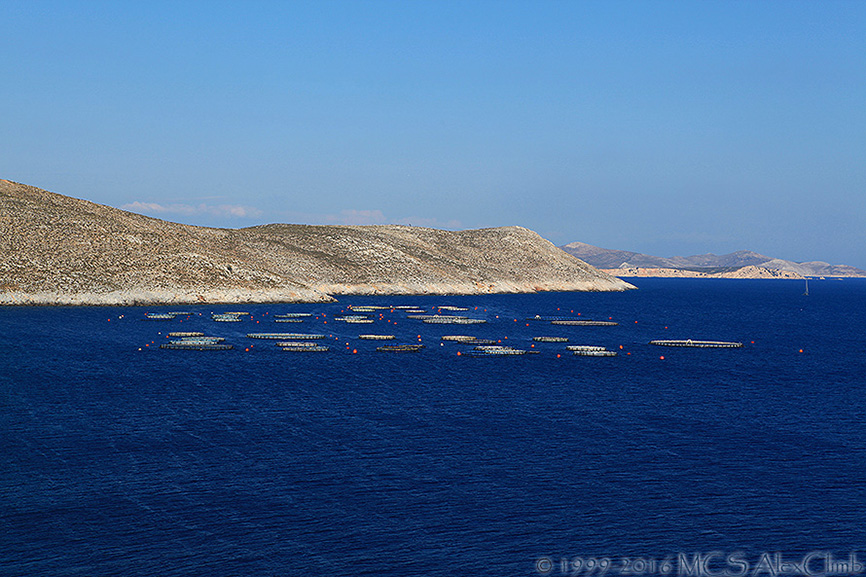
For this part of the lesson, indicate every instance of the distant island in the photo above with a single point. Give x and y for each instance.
(55, 250)
(740, 264)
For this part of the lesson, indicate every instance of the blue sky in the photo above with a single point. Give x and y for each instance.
(669, 128)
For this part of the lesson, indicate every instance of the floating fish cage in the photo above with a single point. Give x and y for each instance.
(196, 346)
(547, 318)
(286, 336)
(199, 340)
(577, 323)
(698, 344)
(292, 315)
(314, 349)
(226, 317)
(415, 312)
(235, 313)
(584, 348)
(420, 317)
(474, 353)
(359, 321)
(399, 348)
(377, 337)
(158, 317)
(594, 353)
(288, 320)
(179, 313)
(186, 334)
(498, 350)
(349, 318)
(550, 339)
(451, 320)
(298, 344)
(467, 340)
(450, 308)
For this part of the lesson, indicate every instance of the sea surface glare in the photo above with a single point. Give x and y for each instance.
(121, 458)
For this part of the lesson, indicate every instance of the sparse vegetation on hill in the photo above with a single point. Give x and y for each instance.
(61, 250)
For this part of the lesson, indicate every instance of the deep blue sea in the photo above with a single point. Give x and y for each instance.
(119, 458)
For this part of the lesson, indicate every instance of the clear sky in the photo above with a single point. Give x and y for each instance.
(670, 128)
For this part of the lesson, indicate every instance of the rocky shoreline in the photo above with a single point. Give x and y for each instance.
(746, 272)
(739, 264)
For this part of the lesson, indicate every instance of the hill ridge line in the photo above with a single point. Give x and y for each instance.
(61, 250)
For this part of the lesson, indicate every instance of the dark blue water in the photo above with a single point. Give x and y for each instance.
(120, 461)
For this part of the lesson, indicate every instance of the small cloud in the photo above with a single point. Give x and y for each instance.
(139, 206)
(220, 211)
(430, 222)
(235, 210)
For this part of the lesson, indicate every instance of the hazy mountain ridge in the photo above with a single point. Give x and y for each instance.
(705, 263)
(61, 250)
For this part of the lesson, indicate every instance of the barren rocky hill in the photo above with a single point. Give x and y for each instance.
(740, 264)
(750, 271)
(59, 250)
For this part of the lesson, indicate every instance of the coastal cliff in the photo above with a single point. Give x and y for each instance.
(59, 250)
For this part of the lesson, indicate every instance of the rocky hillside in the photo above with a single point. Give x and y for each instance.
(744, 261)
(60, 250)
(751, 271)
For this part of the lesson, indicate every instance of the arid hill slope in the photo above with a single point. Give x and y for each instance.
(740, 264)
(60, 250)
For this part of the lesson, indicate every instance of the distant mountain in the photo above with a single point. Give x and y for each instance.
(60, 250)
(705, 263)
